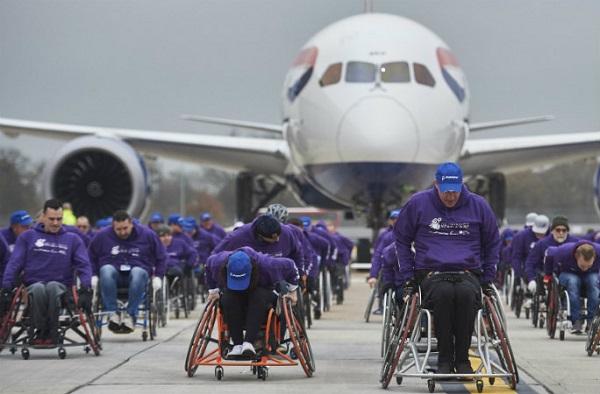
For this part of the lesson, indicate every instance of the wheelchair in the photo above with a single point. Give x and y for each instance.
(75, 327)
(519, 300)
(388, 318)
(592, 343)
(411, 347)
(325, 289)
(538, 304)
(559, 309)
(178, 300)
(208, 347)
(148, 315)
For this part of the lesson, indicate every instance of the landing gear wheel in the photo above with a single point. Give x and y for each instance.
(144, 336)
(25, 354)
(62, 353)
(219, 372)
(492, 381)
(399, 380)
(561, 335)
(479, 385)
(431, 385)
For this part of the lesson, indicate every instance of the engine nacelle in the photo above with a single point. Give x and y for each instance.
(97, 176)
(597, 191)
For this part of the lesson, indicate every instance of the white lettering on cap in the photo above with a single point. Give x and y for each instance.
(449, 177)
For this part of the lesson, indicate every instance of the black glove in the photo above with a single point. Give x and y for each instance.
(408, 289)
(6, 296)
(85, 299)
(282, 287)
(488, 289)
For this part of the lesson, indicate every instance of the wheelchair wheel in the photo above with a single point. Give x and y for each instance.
(518, 300)
(326, 290)
(593, 336)
(535, 309)
(189, 290)
(370, 303)
(201, 337)
(398, 340)
(10, 318)
(90, 329)
(503, 348)
(152, 313)
(552, 307)
(387, 325)
(299, 339)
(307, 301)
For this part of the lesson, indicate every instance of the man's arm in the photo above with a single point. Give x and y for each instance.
(81, 262)
(405, 231)
(490, 246)
(15, 264)
(534, 261)
(160, 255)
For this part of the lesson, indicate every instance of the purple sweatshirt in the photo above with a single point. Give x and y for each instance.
(535, 259)
(320, 247)
(46, 257)
(562, 258)
(386, 238)
(521, 246)
(141, 249)
(204, 242)
(345, 246)
(216, 231)
(182, 254)
(390, 266)
(270, 269)
(9, 237)
(464, 237)
(4, 255)
(333, 245)
(287, 246)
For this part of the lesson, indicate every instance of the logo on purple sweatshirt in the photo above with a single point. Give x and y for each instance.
(437, 226)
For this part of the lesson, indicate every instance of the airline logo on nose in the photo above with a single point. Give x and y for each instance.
(453, 74)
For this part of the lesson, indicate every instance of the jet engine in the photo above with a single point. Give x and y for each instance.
(98, 176)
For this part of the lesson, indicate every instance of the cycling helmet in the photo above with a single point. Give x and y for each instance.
(278, 211)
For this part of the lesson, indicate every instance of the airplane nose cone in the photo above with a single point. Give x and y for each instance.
(377, 129)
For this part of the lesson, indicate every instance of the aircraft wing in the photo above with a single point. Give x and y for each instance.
(263, 155)
(511, 154)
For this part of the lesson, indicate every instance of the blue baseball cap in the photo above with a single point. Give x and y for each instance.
(205, 216)
(239, 270)
(156, 217)
(188, 224)
(449, 177)
(21, 217)
(104, 222)
(394, 214)
(174, 218)
(306, 221)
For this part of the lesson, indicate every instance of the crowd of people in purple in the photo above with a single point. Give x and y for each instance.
(242, 266)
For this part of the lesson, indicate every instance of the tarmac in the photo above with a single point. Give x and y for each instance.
(347, 357)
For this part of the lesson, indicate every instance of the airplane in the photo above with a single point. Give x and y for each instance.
(371, 105)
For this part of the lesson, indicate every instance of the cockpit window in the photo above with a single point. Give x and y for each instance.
(360, 72)
(332, 75)
(422, 75)
(395, 72)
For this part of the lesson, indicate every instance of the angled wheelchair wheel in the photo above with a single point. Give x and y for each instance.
(502, 346)
(552, 308)
(9, 319)
(299, 339)
(201, 337)
(592, 343)
(387, 326)
(400, 336)
(535, 309)
(370, 303)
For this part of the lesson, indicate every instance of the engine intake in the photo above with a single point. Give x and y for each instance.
(97, 176)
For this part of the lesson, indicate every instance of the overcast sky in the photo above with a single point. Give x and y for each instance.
(141, 64)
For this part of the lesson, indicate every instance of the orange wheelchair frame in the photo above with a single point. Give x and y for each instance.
(80, 322)
(206, 349)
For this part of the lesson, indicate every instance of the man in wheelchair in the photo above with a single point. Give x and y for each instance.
(180, 258)
(44, 260)
(576, 264)
(126, 255)
(456, 252)
(244, 281)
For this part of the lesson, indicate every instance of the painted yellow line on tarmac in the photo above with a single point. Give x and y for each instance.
(499, 386)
